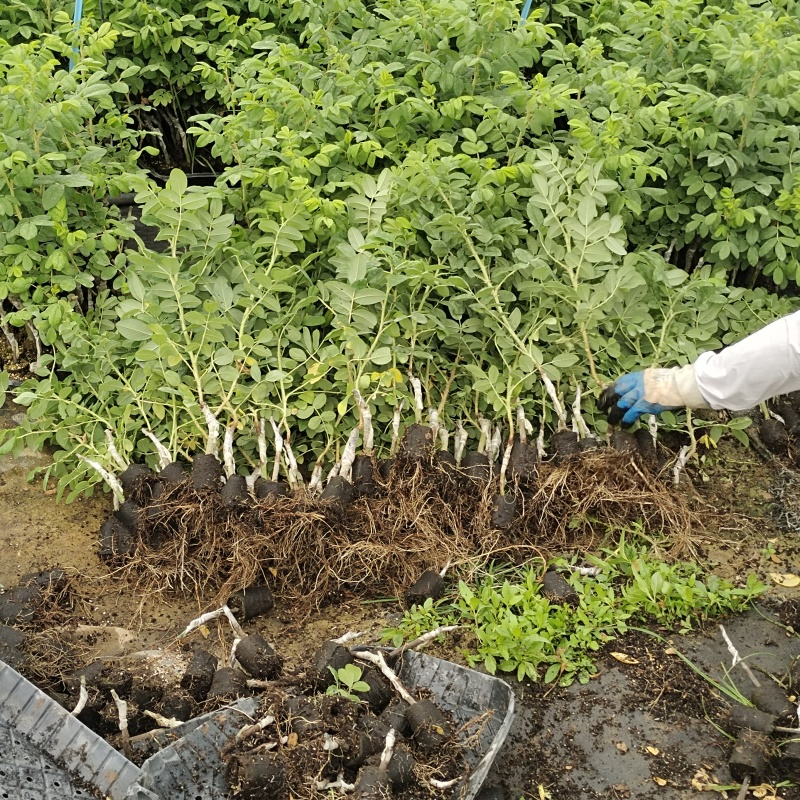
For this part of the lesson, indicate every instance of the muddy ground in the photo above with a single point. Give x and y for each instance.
(645, 729)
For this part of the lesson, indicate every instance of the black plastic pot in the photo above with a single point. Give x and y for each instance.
(258, 658)
(199, 674)
(429, 585)
(476, 467)
(771, 698)
(504, 509)
(750, 756)
(251, 602)
(207, 472)
(417, 442)
(339, 490)
(742, 718)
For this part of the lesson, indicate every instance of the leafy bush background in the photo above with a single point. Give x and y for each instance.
(428, 186)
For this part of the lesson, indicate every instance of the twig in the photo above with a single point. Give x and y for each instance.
(246, 732)
(421, 641)
(164, 456)
(83, 698)
(113, 452)
(207, 617)
(388, 749)
(111, 480)
(122, 713)
(745, 786)
(380, 662)
(349, 636)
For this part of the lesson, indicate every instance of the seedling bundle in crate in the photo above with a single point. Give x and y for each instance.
(374, 525)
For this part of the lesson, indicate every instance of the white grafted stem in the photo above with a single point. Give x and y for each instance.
(388, 749)
(577, 416)
(113, 452)
(276, 467)
(12, 341)
(261, 428)
(486, 434)
(460, 442)
(294, 478)
(334, 472)
(227, 450)
(522, 424)
(212, 441)
(350, 636)
(349, 455)
(652, 424)
(433, 422)
(339, 784)
(111, 480)
(164, 456)
(575, 428)
(232, 655)
(540, 441)
(83, 698)
(557, 407)
(504, 465)
(495, 443)
(396, 428)
(437, 784)
(421, 641)
(367, 433)
(122, 713)
(418, 404)
(207, 617)
(315, 481)
(162, 722)
(680, 463)
(444, 438)
(380, 662)
(736, 658)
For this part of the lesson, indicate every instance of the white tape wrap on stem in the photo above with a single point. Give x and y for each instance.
(583, 428)
(461, 437)
(113, 452)
(111, 480)
(433, 422)
(486, 434)
(349, 455)
(227, 450)
(522, 427)
(276, 467)
(368, 435)
(444, 438)
(419, 407)
(315, 481)
(164, 455)
(396, 428)
(557, 407)
(212, 423)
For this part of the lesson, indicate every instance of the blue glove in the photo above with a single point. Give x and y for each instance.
(626, 400)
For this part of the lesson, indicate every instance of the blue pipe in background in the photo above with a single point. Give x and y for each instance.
(76, 21)
(526, 9)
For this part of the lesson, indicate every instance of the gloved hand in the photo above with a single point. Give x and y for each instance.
(651, 391)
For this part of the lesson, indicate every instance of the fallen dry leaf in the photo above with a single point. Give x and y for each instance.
(775, 559)
(763, 792)
(625, 658)
(660, 781)
(291, 739)
(654, 751)
(784, 579)
(621, 746)
(670, 651)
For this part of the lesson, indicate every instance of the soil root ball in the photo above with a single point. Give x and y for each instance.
(429, 585)
(131, 515)
(364, 476)
(774, 436)
(173, 473)
(394, 715)
(199, 674)
(430, 727)
(116, 540)
(624, 442)
(11, 641)
(339, 490)
(385, 468)
(789, 614)
(258, 658)
(476, 467)
(401, 768)
(228, 682)
(750, 755)
(490, 793)
(380, 692)
(330, 656)
(646, 448)
(742, 718)
(504, 509)
(373, 783)
(523, 462)
(589, 443)
(771, 698)
(264, 489)
(177, 706)
(234, 493)
(206, 472)
(303, 716)
(565, 444)
(445, 462)
(368, 740)
(137, 481)
(251, 602)
(258, 776)
(790, 418)
(789, 760)
(556, 588)
(417, 442)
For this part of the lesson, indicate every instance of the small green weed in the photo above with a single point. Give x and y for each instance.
(347, 682)
(521, 631)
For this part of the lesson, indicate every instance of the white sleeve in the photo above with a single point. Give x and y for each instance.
(760, 366)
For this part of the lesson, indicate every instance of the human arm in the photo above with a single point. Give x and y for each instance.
(760, 366)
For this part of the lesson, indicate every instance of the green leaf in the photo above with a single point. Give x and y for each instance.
(134, 329)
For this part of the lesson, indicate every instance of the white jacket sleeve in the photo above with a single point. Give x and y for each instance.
(760, 366)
